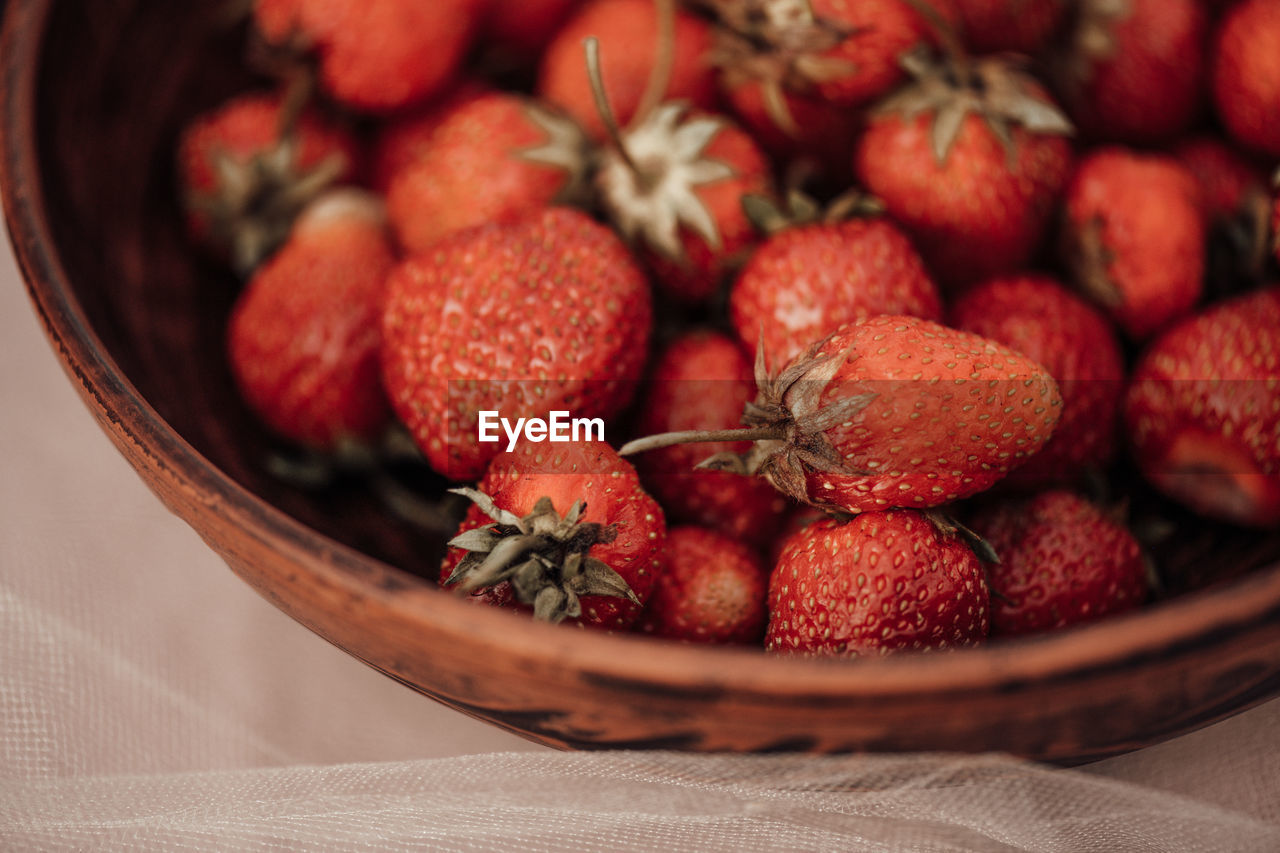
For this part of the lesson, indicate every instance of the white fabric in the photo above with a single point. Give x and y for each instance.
(149, 700)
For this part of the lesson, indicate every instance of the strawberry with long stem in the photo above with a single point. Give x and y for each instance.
(894, 411)
(673, 181)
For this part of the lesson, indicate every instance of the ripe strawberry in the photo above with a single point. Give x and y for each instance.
(711, 591)
(1227, 180)
(248, 168)
(494, 157)
(546, 313)
(564, 529)
(1203, 411)
(374, 55)
(815, 133)
(1039, 318)
(1245, 73)
(881, 582)
(970, 159)
(524, 28)
(893, 411)
(702, 381)
(841, 52)
(1237, 207)
(673, 185)
(629, 33)
(303, 338)
(1135, 237)
(992, 26)
(401, 140)
(1063, 561)
(1132, 70)
(809, 277)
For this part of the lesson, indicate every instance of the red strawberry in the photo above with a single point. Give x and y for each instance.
(546, 313)
(303, 338)
(702, 381)
(807, 278)
(247, 169)
(881, 582)
(711, 591)
(970, 159)
(1039, 318)
(564, 529)
(673, 185)
(1227, 180)
(991, 26)
(524, 28)
(492, 158)
(1063, 561)
(1245, 71)
(1132, 70)
(401, 140)
(815, 133)
(893, 411)
(1233, 194)
(629, 33)
(1135, 237)
(375, 55)
(1203, 411)
(841, 52)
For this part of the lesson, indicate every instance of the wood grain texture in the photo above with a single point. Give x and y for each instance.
(93, 96)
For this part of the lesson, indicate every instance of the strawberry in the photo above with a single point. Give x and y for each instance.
(1227, 180)
(1039, 318)
(890, 412)
(815, 134)
(1134, 235)
(1203, 411)
(882, 582)
(711, 591)
(493, 157)
(702, 380)
(991, 26)
(1132, 70)
(248, 168)
(402, 139)
(303, 338)
(673, 185)
(840, 52)
(1063, 561)
(812, 274)
(563, 529)
(1233, 195)
(546, 313)
(1245, 74)
(524, 28)
(632, 41)
(374, 55)
(970, 159)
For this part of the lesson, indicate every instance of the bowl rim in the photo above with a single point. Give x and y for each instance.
(1196, 621)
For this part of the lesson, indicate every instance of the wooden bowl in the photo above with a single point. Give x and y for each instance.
(92, 97)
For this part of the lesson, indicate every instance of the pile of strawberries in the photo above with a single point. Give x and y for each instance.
(888, 294)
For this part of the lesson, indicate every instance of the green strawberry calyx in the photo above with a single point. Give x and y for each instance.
(991, 88)
(543, 555)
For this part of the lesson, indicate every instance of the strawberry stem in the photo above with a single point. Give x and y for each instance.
(664, 58)
(591, 46)
(696, 436)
